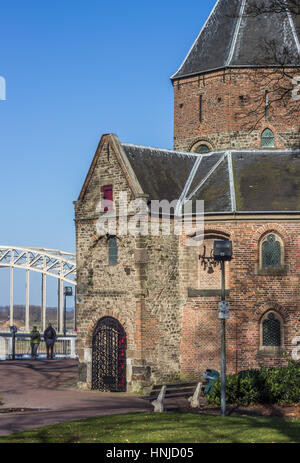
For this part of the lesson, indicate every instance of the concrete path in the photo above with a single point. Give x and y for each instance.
(49, 388)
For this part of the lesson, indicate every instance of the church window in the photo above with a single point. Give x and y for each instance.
(271, 331)
(267, 104)
(267, 139)
(112, 251)
(271, 252)
(202, 149)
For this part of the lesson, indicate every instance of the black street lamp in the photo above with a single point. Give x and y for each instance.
(68, 291)
(223, 253)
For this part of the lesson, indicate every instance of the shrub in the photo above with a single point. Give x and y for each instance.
(282, 385)
(267, 385)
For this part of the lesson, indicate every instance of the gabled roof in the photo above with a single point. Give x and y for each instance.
(232, 38)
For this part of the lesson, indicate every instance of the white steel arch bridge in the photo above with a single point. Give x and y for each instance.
(48, 262)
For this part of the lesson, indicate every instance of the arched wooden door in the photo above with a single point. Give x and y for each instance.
(109, 356)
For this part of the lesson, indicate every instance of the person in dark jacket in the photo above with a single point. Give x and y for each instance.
(50, 338)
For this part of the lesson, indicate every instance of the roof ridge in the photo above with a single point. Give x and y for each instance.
(293, 29)
(153, 148)
(188, 183)
(224, 151)
(207, 176)
(236, 33)
(231, 182)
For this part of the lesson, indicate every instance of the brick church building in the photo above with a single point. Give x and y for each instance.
(147, 306)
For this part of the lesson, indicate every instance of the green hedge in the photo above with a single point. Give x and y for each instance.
(267, 385)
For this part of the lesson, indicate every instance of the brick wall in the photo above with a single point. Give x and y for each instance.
(233, 110)
(251, 296)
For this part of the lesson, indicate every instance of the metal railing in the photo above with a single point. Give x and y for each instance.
(65, 346)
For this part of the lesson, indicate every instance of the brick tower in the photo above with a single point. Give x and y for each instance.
(230, 91)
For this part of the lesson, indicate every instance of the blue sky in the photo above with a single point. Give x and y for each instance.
(75, 70)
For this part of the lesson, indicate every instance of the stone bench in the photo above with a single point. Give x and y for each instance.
(161, 392)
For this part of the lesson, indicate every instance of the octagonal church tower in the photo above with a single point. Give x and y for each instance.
(234, 88)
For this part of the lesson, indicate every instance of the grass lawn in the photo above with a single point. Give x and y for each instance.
(165, 428)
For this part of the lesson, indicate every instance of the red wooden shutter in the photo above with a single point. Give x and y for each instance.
(107, 197)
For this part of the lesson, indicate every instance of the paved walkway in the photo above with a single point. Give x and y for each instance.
(49, 387)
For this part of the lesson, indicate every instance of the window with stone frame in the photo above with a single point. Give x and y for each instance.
(267, 139)
(271, 252)
(202, 149)
(112, 251)
(271, 331)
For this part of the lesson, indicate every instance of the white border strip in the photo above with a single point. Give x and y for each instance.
(185, 190)
(293, 29)
(164, 150)
(236, 33)
(207, 176)
(231, 182)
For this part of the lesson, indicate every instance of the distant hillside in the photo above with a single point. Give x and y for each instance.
(35, 313)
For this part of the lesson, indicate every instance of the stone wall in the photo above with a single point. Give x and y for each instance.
(141, 291)
(103, 289)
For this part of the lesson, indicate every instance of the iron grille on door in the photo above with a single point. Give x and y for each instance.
(109, 356)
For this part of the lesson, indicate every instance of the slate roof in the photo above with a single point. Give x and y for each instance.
(161, 173)
(231, 38)
(254, 181)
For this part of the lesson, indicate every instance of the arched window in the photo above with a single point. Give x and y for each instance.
(266, 104)
(271, 331)
(271, 252)
(267, 139)
(112, 251)
(202, 149)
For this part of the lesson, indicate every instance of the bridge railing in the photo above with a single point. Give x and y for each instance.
(65, 346)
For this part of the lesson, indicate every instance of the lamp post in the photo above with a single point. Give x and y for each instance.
(223, 253)
(68, 291)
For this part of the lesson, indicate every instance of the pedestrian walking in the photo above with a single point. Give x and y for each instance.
(50, 338)
(35, 339)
